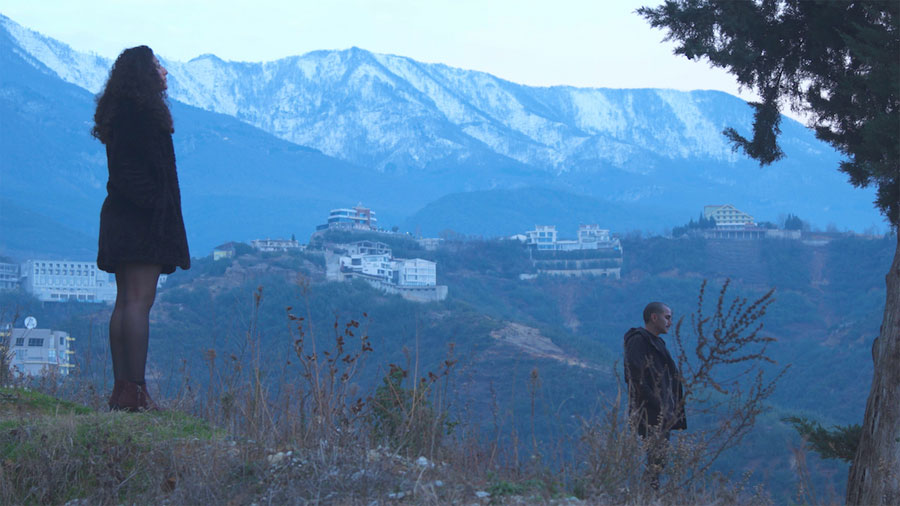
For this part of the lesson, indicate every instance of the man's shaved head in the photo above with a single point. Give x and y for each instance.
(652, 309)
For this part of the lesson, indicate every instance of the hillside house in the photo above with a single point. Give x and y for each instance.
(223, 251)
(356, 218)
(37, 352)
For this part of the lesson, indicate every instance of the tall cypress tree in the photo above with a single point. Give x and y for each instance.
(838, 63)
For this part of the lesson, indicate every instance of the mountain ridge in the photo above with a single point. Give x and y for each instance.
(414, 133)
(544, 126)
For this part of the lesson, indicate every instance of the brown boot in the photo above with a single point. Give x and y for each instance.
(134, 398)
(114, 396)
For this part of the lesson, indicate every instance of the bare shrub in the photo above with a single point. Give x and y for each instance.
(724, 374)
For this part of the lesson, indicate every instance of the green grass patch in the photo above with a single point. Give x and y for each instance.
(502, 487)
(53, 451)
(27, 402)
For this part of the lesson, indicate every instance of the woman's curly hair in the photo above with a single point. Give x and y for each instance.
(133, 78)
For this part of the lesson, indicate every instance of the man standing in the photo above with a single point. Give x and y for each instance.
(655, 390)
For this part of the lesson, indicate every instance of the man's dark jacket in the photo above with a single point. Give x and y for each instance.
(654, 383)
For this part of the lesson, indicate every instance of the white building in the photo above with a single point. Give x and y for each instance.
(727, 216)
(396, 271)
(378, 266)
(41, 351)
(275, 244)
(9, 276)
(545, 238)
(415, 272)
(356, 218)
(61, 280)
(413, 279)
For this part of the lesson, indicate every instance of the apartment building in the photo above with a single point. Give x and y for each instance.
(62, 280)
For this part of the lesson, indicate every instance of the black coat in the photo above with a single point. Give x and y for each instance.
(141, 221)
(655, 391)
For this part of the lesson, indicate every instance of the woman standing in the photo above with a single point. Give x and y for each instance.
(141, 227)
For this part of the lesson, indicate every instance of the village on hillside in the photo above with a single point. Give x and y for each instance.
(357, 254)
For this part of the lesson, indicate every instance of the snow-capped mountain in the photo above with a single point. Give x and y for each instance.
(438, 130)
(389, 111)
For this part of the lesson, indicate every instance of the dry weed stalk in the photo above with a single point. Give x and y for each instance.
(613, 454)
(724, 376)
(236, 397)
(307, 402)
(7, 322)
(327, 407)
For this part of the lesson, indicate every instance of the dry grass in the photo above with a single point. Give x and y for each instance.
(54, 451)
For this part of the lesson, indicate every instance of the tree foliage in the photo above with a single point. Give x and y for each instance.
(838, 63)
(840, 442)
(701, 223)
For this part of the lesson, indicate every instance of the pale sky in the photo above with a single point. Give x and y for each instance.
(585, 43)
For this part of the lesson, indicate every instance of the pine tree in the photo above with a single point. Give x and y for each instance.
(840, 442)
(793, 222)
(838, 63)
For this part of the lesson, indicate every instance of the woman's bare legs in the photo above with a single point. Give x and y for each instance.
(129, 326)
